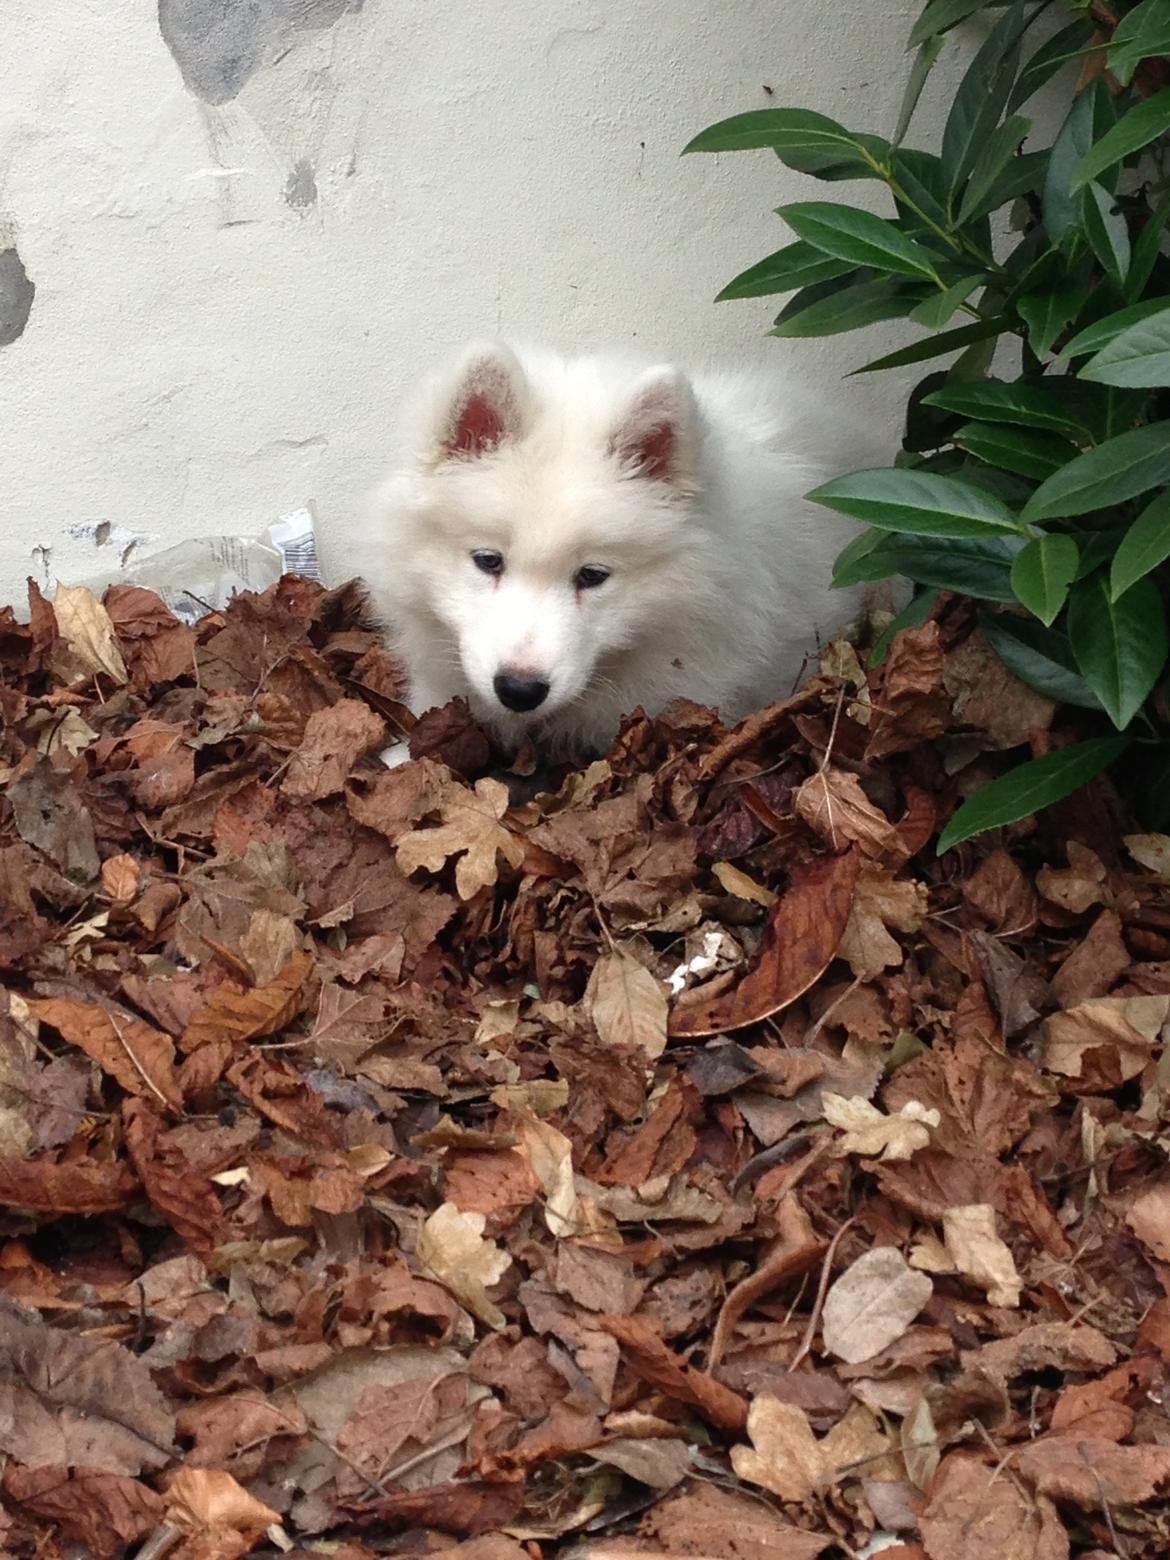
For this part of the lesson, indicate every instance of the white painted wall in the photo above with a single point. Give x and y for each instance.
(209, 347)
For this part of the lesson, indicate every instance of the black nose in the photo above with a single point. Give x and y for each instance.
(518, 692)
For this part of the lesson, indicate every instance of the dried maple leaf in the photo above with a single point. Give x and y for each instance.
(140, 1057)
(872, 1304)
(880, 901)
(73, 1401)
(868, 1131)
(1126, 1028)
(335, 738)
(471, 830)
(804, 929)
(452, 1247)
(627, 1004)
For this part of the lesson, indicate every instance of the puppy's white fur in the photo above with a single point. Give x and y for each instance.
(689, 491)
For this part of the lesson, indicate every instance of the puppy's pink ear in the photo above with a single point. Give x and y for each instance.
(657, 435)
(483, 404)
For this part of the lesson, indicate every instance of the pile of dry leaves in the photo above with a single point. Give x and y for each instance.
(674, 1158)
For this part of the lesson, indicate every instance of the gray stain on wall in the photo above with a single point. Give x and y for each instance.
(300, 190)
(16, 296)
(219, 45)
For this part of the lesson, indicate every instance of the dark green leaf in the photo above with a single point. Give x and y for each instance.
(1120, 469)
(795, 266)
(1147, 249)
(1050, 310)
(1030, 787)
(911, 616)
(1144, 546)
(919, 502)
(844, 308)
(1105, 228)
(1043, 573)
(939, 346)
(1138, 358)
(998, 150)
(859, 237)
(1145, 31)
(940, 15)
(936, 311)
(1022, 174)
(1133, 130)
(919, 71)
(1025, 451)
(919, 190)
(1047, 60)
(848, 559)
(1038, 656)
(979, 567)
(1091, 114)
(1120, 646)
(1042, 405)
(982, 97)
(777, 129)
(1103, 331)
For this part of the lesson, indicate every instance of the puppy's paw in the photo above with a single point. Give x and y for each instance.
(392, 757)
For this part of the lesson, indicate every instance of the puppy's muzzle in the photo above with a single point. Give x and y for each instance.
(520, 691)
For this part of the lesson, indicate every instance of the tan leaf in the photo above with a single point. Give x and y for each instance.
(550, 1155)
(471, 829)
(120, 878)
(1129, 1026)
(733, 881)
(451, 1245)
(868, 1131)
(979, 1253)
(210, 1501)
(66, 732)
(879, 901)
(140, 1057)
(1149, 1219)
(627, 1004)
(872, 1304)
(833, 803)
(784, 1456)
(85, 626)
(1151, 851)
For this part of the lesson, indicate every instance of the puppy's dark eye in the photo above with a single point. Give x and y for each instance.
(487, 560)
(590, 577)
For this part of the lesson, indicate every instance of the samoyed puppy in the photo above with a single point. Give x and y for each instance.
(565, 539)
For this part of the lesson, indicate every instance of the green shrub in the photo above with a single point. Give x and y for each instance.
(1039, 493)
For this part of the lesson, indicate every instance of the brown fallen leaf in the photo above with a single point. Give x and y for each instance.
(185, 1198)
(135, 1054)
(83, 1186)
(972, 1515)
(804, 930)
(470, 829)
(657, 1364)
(239, 1014)
(452, 1247)
(627, 1004)
(726, 1525)
(872, 1304)
(833, 803)
(121, 876)
(1149, 1218)
(102, 1512)
(67, 1400)
(980, 1254)
(334, 739)
(1093, 1473)
(880, 901)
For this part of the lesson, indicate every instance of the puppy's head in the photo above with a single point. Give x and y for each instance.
(543, 520)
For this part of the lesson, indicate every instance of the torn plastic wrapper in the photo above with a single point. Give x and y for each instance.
(202, 575)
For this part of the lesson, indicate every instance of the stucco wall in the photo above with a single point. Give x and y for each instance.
(232, 230)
